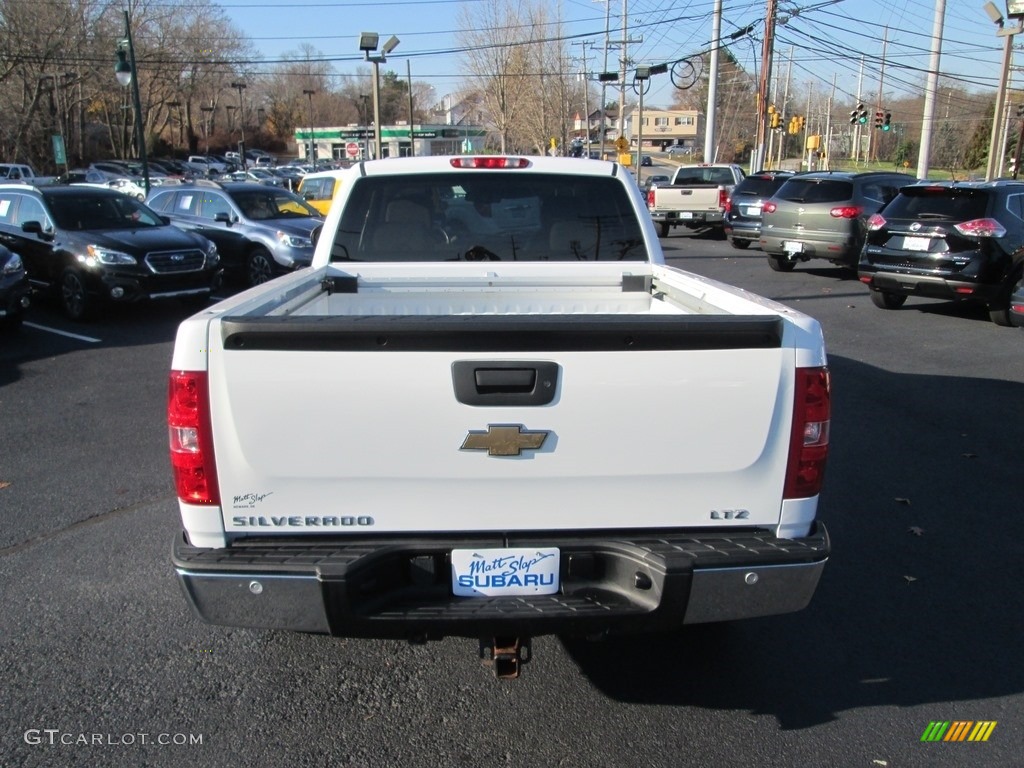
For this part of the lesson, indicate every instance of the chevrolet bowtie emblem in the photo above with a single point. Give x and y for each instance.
(503, 440)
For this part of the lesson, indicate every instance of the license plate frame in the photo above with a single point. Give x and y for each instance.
(917, 244)
(793, 246)
(505, 572)
(685, 215)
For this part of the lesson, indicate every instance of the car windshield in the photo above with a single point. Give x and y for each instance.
(938, 203)
(273, 203)
(488, 216)
(87, 211)
(815, 191)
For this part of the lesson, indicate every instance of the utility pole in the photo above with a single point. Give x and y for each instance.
(855, 148)
(586, 92)
(604, 85)
(785, 110)
(873, 145)
(927, 118)
(826, 149)
(710, 153)
(763, 97)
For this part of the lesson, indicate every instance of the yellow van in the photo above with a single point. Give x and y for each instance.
(320, 188)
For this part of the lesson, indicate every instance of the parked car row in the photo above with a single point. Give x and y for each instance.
(86, 245)
(943, 240)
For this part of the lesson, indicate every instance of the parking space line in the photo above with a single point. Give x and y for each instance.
(88, 339)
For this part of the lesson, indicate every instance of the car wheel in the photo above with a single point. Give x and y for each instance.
(1000, 313)
(260, 266)
(887, 300)
(741, 244)
(663, 229)
(74, 299)
(780, 263)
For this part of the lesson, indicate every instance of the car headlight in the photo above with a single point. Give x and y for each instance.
(294, 241)
(99, 255)
(13, 265)
(212, 257)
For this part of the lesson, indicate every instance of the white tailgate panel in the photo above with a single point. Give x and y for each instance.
(658, 437)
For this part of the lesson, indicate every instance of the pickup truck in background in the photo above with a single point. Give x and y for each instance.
(696, 197)
(501, 424)
(19, 172)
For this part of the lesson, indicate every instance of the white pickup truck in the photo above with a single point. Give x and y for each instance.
(696, 197)
(497, 426)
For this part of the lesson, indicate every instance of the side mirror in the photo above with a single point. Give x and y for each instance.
(166, 220)
(36, 228)
(314, 236)
(223, 217)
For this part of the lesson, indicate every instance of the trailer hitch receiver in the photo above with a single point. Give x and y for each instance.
(505, 655)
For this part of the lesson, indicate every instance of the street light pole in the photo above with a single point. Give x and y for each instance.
(127, 73)
(365, 97)
(241, 124)
(173, 105)
(311, 155)
(206, 126)
(368, 44)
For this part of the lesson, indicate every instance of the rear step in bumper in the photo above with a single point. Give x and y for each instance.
(401, 588)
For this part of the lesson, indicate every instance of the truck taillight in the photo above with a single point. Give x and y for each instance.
(190, 435)
(723, 198)
(650, 198)
(808, 442)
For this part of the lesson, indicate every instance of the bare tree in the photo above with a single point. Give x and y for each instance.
(496, 61)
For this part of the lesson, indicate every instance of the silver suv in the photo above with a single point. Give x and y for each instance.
(823, 215)
(260, 231)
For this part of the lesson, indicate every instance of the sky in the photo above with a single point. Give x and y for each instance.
(828, 38)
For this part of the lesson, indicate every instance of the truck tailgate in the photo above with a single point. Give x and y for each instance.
(332, 422)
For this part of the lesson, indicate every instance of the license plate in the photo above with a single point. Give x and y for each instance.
(500, 572)
(754, 210)
(685, 215)
(917, 243)
(792, 247)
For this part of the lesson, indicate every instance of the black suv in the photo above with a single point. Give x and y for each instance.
(743, 208)
(948, 240)
(13, 289)
(261, 231)
(823, 215)
(87, 244)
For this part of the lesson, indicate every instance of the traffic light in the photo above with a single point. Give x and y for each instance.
(878, 118)
(799, 122)
(888, 119)
(862, 114)
(792, 129)
(775, 117)
(854, 116)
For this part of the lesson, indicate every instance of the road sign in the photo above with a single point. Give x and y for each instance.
(59, 155)
(622, 144)
(352, 149)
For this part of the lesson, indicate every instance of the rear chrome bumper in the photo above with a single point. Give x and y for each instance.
(401, 587)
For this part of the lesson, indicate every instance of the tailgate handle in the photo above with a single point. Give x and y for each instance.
(504, 382)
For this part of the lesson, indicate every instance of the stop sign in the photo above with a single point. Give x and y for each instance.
(352, 149)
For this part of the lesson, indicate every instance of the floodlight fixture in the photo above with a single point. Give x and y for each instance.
(390, 45)
(368, 41)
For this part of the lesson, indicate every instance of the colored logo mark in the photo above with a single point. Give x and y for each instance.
(958, 730)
